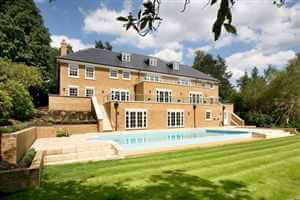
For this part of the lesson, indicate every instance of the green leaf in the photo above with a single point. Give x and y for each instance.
(230, 28)
(123, 19)
(139, 14)
(213, 2)
(143, 24)
(128, 26)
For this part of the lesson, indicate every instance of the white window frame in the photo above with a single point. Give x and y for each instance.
(72, 87)
(153, 62)
(136, 120)
(176, 66)
(91, 67)
(129, 75)
(152, 77)
(184, 82)
(201, 98)
(126, 57)
(69, 70)
(176, 113)
(126, 94)
(211, 115)
(113, 77)
(164, 98)
(89, 88)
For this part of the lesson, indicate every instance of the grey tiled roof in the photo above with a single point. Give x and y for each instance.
(138, 62)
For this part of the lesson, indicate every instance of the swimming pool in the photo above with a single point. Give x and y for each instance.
(145, 140)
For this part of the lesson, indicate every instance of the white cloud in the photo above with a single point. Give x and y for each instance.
(245, 61)
(169, 55)
(76, 44)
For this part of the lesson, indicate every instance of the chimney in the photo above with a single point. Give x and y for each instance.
(63, 48)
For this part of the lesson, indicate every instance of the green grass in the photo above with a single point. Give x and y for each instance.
(259, 170)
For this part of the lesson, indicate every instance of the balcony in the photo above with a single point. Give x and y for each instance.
(167, 99)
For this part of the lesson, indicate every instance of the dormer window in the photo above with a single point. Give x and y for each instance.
(126, 57)
(153, 62)
(176, 65)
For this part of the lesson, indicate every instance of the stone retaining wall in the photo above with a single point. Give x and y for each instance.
(16, 179)
(68, 103)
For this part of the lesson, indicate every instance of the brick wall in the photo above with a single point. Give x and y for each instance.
(50, 131)
(157, 114)
(67, 103)
(17, 179)
(14, 145)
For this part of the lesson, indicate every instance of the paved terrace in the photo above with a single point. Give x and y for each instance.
(79, 148)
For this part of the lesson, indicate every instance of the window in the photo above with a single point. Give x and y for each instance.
(89, 91)
(114, 74)
(73, 71)
(211, 100)
(89, 72)
(153, 62)
(163, 95)
(175, 119)
(120, 95)
(74, 91)
(135, 119)
(176, 66)
(196, 98)
(126, 75)
(152, 77)
(183, 82)
(211, 86)
(208, 115)
(126, 57)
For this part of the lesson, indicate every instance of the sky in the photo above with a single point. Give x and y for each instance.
(267, 35)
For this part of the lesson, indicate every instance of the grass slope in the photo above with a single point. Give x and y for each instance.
(252, 171)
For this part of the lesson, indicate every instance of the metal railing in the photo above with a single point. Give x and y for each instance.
(124, 97)
(203, 85)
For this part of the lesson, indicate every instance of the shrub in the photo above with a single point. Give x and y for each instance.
(62, 133)
(23, 108)
(27, 158)
(5, 107)
(259, 119)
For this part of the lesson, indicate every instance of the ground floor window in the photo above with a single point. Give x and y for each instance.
(208, 115)
(89, 92)
(163, 95)
(74, 91)
(135, 119)
(196, 98)
(120, 95)
(175, 119)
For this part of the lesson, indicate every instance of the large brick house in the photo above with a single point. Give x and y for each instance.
(131, 91)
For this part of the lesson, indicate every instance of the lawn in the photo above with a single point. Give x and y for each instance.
(258, 170)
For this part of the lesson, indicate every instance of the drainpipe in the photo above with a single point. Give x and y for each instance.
(194, 108)
(223, 119)
(116, 105)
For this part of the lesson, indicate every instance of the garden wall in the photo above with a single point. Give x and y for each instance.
(16, 179)
(68, 103)
(50, 131)
(14, 145)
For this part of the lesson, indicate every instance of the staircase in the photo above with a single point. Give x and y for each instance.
(101, 115)
(236, 120)
(81, 153)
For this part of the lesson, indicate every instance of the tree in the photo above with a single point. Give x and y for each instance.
(23, 36)
(100, 45)
(148, 18)
(217, 68)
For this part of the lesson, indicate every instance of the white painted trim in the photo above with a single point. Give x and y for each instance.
(123, 75)
(74, 86)
(92, 88)
(94, 74)
(136, 121)
(175, 111)
(211, 115)
(112, 77)
(78, 71)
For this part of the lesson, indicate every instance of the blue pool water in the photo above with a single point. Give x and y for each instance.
(143, 140)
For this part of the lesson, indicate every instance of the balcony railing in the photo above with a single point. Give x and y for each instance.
(124, 97)
(204, 85)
